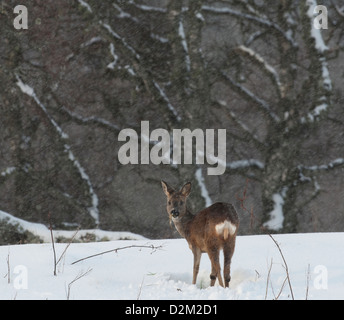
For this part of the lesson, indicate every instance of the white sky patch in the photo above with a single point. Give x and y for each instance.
(277, 215)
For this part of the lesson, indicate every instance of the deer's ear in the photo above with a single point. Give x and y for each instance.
(185, 191)
(167, 189)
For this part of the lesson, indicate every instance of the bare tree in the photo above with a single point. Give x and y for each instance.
(72, 81)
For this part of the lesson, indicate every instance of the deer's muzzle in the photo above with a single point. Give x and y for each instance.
(175, 213)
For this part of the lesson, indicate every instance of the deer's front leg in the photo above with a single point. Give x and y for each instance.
(197, 253)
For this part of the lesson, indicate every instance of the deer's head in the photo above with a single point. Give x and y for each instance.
(176, 200)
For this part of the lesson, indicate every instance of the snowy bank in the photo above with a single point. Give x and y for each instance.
(43, 232)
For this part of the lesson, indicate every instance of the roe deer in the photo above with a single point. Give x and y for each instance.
(212, 229)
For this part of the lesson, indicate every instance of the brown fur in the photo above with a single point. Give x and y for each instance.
(201, 233)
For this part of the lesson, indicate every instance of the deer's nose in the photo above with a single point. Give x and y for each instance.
(175, 213)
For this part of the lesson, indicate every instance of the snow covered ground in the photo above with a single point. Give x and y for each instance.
(315, 264)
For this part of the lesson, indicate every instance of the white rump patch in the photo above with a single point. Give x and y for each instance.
(225, 225)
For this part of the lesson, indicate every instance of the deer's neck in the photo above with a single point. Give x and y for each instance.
(182, 224)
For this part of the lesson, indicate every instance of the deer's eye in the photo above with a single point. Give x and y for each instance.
(169, 203)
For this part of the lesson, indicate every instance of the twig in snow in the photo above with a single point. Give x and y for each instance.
(8, 267)
(79, 276)
(308, 279)
(52, 242)
(285, 265)
(267, 280)
(57, 261)
(140, 289)
(117, 249)
(67, 246)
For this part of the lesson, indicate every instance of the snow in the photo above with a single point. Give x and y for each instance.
(276, 215)
(315, 263)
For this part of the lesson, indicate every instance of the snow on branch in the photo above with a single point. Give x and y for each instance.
(93, 210)
(320, 49)
(320, 46)
(241, 164)
(85, 5)
(167, 100)
(181, 33)
(251, 96)
(122, 14)
(131, 50)
(204, 191)
(118, 37)
(7, 171)
(91, 120)
(257, 19)
(112, 64)
(331, 165)
(159, 38)
(270, 70)
(147, 8)
(240, 124)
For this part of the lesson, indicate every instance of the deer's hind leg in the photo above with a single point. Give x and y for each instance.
(214, 256)
(228, 250)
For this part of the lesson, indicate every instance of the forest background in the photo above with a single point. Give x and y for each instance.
(83, 71)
